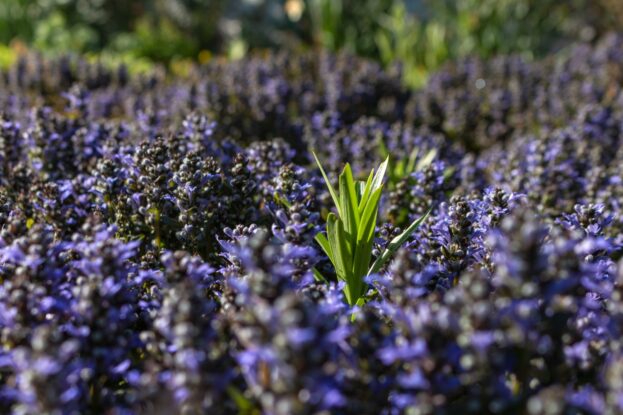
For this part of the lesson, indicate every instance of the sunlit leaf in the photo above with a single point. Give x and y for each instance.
(329, 186)
(396, 243)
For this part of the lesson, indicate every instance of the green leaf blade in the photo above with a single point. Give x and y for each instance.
(334, 244)
(363, 255)
(366, 193)
(367, 222)
(326, 247)
(377, 182)
(412, 160)
(329, 185)
(344, 248)
(348, 202)
(345, 255)
(427, 160)
(396, 243)
(318, 276)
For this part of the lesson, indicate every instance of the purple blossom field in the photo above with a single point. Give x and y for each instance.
(158, 252)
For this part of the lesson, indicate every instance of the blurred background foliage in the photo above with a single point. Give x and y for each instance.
(420, 35)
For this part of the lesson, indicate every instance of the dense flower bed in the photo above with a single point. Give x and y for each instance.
(157, 238)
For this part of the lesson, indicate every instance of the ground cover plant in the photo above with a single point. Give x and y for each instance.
(158, 248)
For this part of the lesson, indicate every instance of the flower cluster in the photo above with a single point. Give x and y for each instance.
(157, 248)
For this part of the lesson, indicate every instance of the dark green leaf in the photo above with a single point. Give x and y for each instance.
(326, 247)
(333, 243)
(318, 276)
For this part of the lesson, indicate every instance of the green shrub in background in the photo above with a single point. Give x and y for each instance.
(424, 34)
(419, 34)
(159, 41)
(453, 29)
(53, 33)
(489, 27)
(157, 30)
(347, 24)
(18, 17)
(418, 46)
(50, 23)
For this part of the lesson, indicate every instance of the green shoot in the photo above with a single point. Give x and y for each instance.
(350, 233)
(407, 165)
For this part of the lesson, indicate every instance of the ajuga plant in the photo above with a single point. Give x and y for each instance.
(157, 244)
(350, 233)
